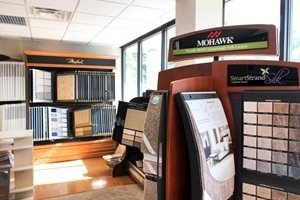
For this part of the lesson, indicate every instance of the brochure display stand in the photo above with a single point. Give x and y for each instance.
(263, 125)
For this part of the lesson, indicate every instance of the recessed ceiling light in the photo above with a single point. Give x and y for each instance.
(49, 13)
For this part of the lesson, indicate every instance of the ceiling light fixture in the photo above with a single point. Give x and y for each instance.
(49, 13)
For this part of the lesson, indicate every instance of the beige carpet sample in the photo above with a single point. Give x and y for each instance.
(65, 87)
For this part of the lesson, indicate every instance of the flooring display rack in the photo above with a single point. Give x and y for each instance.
(68, 95)
(261, 102)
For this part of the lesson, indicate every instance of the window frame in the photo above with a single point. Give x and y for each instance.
(163, 29)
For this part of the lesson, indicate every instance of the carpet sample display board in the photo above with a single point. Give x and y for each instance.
(210, 145)
(85, 86)
(268, 131)
(153, 146)
(129, 123)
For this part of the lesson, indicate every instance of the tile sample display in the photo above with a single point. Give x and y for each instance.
(41, 86)
(134, 127)
(276, 139)
(268, 149)
(253, 191)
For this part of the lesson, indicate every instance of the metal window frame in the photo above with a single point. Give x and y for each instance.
(138, 41)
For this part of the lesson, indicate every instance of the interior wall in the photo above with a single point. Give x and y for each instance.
(195, 15)
(15, 48)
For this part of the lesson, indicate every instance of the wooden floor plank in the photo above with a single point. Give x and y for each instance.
(57, 179)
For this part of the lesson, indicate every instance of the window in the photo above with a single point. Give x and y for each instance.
(295, 32)
(151, 61)
(170, 34)
(130, 72)
(240, 12)
(142, 60)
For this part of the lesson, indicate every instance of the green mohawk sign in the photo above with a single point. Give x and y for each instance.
(221, 41)
(218, 41)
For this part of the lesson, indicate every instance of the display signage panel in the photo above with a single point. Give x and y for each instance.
(222, 41)
(262, 75)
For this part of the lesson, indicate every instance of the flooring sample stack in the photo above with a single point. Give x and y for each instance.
(103, 118)
(83, 122)
(13, 117)
(49, 123)
(12, 81)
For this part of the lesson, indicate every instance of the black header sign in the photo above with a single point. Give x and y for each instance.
(222, 40)
(70, 60)
(262, 75)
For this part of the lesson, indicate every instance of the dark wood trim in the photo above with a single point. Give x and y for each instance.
(40, 65)
(271, 50)
(67, 54)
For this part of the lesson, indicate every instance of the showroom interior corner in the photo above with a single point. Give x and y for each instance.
(153, 100)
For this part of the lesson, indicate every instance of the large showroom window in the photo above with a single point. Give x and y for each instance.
(143, 59)
(130, 80)
(151, 61)
(240, 12)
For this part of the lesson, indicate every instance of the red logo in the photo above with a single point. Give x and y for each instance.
(214, 34)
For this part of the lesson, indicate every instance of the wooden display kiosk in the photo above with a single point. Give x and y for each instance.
(231, 79)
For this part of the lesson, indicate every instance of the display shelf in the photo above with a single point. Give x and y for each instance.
(15, 134)
(68, 103)
(22, 168)
(21, 189)
(5, 166)
(71, 139)
(12, 102)
(11, 147)
(76, 65)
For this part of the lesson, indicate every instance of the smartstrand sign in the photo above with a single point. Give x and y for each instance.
(221, 41)
(262, 75)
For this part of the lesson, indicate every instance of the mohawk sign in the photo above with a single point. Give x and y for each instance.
(221, 41)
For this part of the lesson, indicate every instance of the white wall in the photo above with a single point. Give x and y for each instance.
(15, 48)
(195, 15)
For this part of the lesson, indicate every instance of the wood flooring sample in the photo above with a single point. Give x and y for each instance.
(82, 118)
(65, 87)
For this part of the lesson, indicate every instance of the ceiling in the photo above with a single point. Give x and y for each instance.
(107, 23)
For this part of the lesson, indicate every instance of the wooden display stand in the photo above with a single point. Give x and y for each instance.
(203, 77)
(72, 147)
(21, 144)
